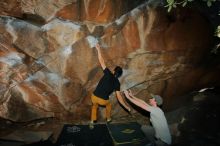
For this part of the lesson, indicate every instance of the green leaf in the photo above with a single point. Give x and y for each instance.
(170, 2)
(169, 9)
(217, 32)
(209, 3)
(190, 0)
(184, 4)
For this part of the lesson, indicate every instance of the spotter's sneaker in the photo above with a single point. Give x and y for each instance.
(91, 125)
(109, 120)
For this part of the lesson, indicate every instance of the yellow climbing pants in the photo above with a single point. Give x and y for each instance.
(96, 101)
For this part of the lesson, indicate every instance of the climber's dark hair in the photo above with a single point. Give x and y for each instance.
(118, 71)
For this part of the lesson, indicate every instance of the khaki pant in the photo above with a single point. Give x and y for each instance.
(96, 101)
(150, 134)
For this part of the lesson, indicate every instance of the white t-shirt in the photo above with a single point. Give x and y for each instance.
(160, 125)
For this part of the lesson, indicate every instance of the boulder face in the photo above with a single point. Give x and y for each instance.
(100, 11)
(50, 69)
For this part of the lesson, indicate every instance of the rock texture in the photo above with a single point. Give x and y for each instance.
(49, 69)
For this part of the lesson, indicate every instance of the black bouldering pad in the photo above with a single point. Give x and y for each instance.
(81, 135)
(4, 142)
(127, 134)
(39, 143)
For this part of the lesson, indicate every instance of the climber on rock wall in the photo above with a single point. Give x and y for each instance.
(108, 84)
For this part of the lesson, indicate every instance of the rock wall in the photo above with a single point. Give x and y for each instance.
(49, 69)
